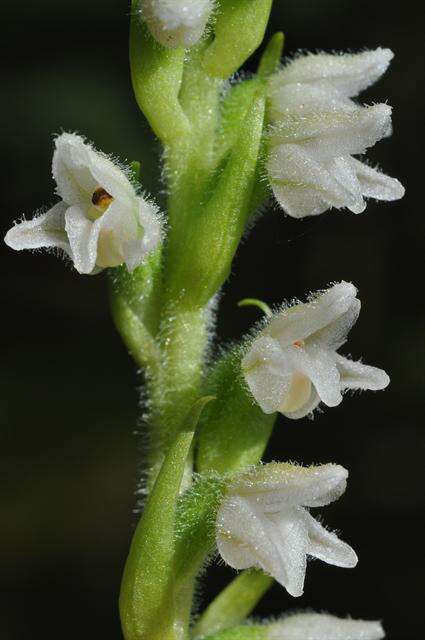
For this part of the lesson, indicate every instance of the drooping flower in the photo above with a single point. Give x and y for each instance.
(100, 221)
(177, 23)
(263, 521)
(317, 128)
(322, 626)
(293, 364)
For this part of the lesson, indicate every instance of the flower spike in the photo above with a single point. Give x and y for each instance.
(293, 365)
(317, 129)
(100, 221)
(263, 521)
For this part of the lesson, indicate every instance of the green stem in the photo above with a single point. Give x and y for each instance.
(183, 333)
(183, 340)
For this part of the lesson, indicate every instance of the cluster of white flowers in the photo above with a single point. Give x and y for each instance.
(177, 23)
(318, 128)
(100, 221)
(293, 364)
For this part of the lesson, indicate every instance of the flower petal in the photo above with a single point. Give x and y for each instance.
(355, 375)
(135, 250)
(43, 231)
(289, 534)
(375, 184)
(304, 319)
(247, 538)
(294, 172)
(327, 135)
(279, 483)
(78, 170)
(267, 374)
(71, 169)
(83, 236)
(334, 334)
(307, 99)
(319, 365)
(326, 546)
(322, 626)
(347, 73)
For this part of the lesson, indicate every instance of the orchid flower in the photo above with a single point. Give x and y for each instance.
(322, 626)
(293, 364)
(263, 521)
(176, 23)
(100, 221)
(317, 129)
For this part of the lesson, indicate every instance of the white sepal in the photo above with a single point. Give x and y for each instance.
(322, 626)
(177, 23)
(263, 521)
(347, 73)
(100, 221)
(293, 365)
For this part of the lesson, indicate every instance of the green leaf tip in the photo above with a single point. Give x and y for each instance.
(254, 302)
(270, 60)
(135, 170)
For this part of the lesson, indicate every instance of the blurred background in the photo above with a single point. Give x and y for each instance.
(69, 391)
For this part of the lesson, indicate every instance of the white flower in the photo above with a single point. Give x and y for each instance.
(322, 626)
(177, 23)
(293, 364)
(318, 128)
(100, 221)
(262, 521)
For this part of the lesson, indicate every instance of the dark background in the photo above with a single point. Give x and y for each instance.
(69, 390)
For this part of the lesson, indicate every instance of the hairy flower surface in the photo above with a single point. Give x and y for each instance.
(177, 23)
(293, 364)
(262, 521)
(317, 129)
(100, 221)
(322, 626)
